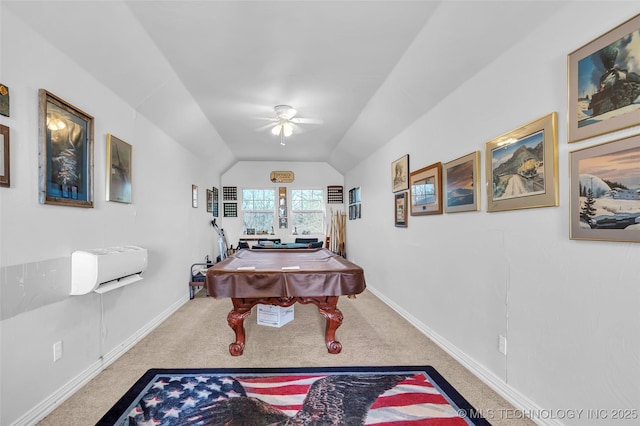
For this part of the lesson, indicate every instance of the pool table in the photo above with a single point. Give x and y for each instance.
(283, 277)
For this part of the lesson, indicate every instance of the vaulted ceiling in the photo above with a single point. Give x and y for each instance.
(210, 72)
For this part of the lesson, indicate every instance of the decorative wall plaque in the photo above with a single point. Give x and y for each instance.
(334, 194)
(282, 177)
(230, 193)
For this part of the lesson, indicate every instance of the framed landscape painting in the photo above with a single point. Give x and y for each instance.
(119, 162)
(522, 167)
(65, 154)
(604, 83)
(605, 191)
(400, 174)
(461, 184)
(426, 190)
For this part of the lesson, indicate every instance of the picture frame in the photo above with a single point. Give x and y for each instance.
(65, 153)
(400, 209)
(230, 209)
(5, 104)
(605, 191)
(461, 183)
(522, 166)
(119, 170)
(601, 97)
(425, 189)
(355, 206)
(194, 196)
(209, 201)
(215, 202)
(5, 157)
(400, 174)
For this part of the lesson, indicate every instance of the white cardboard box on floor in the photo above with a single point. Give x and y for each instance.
(274, 316)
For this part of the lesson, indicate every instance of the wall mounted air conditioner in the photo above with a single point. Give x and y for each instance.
(102, 270)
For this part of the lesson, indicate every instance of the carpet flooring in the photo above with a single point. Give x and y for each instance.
(197, 336)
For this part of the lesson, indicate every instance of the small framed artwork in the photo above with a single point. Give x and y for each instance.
(230, 209)
(461, 182)
(400, 174)
(335, 194)
(119, 162)
(5, 157)
(605, 191)
(282, 207)
(215, 202)
(355, 206)
(425, 190)
(194, 196)
(604, 83)
(65, 153)
(5, 106)
(229, 193)
(522, 167)
(209, 201)
(401, 209)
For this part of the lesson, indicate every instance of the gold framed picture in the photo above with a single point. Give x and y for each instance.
(461, 183)
(604, 83)
(119, 165)
(426, 190)
(605, 191)
(522, 166)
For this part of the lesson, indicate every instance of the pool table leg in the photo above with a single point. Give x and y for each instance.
(236, 317)
(333, 315)
(327, 305)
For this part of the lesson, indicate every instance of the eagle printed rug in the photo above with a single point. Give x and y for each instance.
(382, 396)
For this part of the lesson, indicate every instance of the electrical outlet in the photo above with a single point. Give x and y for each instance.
(502, 344)
(57, 351)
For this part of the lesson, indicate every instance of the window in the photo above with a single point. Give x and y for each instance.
(258, 208)
(307, 210)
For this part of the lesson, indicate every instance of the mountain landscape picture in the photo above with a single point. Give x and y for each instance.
(609, 191)
(460, 190)
(518, 168)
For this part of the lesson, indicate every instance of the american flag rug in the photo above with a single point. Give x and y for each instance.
(381, 396)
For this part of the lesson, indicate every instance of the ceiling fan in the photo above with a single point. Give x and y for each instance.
(286, 121)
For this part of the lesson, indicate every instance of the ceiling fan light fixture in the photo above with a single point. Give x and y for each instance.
(285, 112)
(284, 128)
(287, 129)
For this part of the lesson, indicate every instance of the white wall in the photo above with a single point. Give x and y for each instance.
(572, 326)
(466, 278)
(255, 175)
(37, 240)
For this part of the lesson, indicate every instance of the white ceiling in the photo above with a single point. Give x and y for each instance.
(210, 72)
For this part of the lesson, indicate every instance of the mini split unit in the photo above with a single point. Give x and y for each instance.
(102, 270)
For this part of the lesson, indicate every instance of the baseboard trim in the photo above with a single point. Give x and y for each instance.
(45, 407)
(514, 397)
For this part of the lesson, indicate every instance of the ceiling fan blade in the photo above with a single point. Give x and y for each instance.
(300, 120)
(265, 127)
(297, 130)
